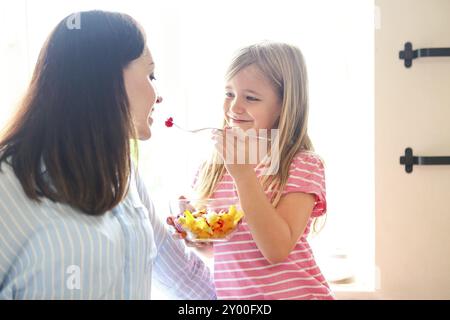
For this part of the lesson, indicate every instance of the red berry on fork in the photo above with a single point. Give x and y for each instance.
(169, 122)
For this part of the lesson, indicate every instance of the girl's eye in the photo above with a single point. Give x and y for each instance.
(152, 77)
(228, 94)
(252, 98)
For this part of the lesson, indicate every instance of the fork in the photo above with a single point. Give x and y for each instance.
(196, 130)
(210, 128)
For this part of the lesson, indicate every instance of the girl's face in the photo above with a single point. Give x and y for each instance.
(251, 101)
(141, 91)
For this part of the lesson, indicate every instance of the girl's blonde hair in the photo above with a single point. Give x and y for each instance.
(284, 66)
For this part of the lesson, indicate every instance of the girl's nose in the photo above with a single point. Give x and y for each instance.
(159, 99)
(236, 107)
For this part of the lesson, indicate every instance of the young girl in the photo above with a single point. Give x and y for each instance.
(269, 256)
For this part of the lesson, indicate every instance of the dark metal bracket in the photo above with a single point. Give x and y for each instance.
(409, 160)
(408, 54)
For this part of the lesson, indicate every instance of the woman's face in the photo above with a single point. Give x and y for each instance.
(141, 91)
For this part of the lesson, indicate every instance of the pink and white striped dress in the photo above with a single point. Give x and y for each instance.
(240, 269)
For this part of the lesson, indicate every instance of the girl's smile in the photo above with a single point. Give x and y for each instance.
(237, 119)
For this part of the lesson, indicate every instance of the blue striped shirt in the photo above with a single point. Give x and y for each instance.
(52, 251)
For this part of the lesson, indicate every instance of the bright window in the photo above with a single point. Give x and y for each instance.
(192, 42)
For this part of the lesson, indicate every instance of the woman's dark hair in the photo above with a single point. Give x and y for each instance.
(74, 119)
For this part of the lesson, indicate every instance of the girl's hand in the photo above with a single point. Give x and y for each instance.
(233, 145)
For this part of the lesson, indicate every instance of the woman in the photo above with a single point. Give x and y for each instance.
(75, 219)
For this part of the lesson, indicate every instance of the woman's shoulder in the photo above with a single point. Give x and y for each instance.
(5, 166)
(23, 213)
(9, 184)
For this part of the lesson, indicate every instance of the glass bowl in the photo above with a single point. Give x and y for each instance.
(207, 220)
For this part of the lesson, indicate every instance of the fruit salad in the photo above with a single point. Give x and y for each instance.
(204, 225)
